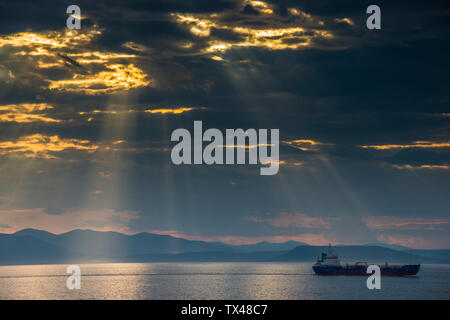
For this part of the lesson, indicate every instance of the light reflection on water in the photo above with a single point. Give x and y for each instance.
(213, 281)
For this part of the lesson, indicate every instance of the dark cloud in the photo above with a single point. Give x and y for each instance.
(356, 87)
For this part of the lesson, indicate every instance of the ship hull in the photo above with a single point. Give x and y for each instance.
(405, 270)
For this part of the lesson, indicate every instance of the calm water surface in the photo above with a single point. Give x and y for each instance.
(214, 281)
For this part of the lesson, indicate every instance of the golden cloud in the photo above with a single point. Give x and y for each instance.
(345, 20)
(44, 146)
(423, 166)
(110, 71)
(48, 146)
(39, 43)
(96, 111)
(99, 57)
(245, 146)
(178, 110)
(305, 144)
(415, 144)
(291, 163)
(287, 35)
(260, 6)
(25, 113)
(170, 110)
(117, 77)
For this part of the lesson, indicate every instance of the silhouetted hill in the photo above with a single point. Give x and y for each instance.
(29, 250)
(38, 234)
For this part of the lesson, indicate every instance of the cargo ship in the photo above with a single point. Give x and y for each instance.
(329, 264)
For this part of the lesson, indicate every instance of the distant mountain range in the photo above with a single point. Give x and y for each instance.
(30, 246)
(373, 254)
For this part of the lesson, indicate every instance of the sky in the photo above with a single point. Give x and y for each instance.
(363, 115)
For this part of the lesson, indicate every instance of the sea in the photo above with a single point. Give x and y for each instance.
(142, 281)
